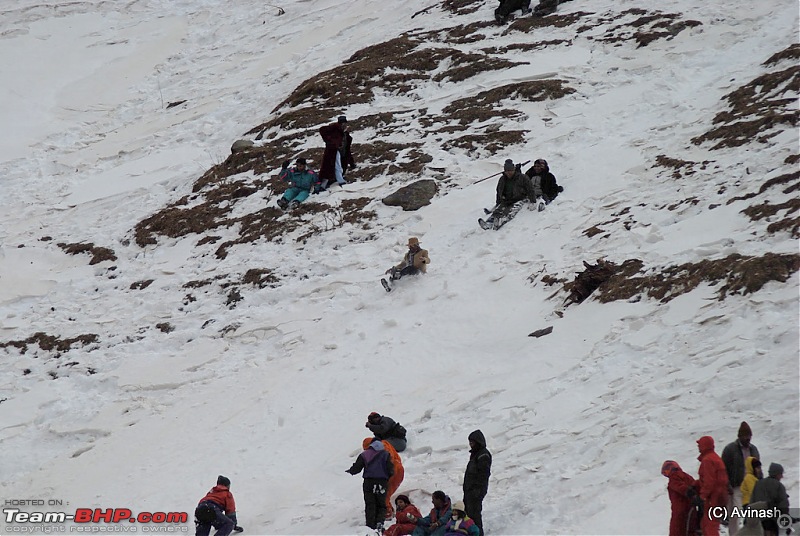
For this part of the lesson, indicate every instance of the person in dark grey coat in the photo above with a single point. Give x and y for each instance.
(771, 491)
(733, 456)
(385, 428)
(476, 477)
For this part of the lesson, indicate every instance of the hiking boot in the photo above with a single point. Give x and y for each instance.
(283, 203)
(292, 205)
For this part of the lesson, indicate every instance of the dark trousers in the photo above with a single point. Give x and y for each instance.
(473, 505)
(397, 274)
(223, 523)
(375, 501)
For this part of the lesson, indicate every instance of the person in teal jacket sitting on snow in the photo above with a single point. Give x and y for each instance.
(301, 180)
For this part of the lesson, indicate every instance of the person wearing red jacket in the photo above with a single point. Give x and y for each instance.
(713, 484)
(403, 524)
(681, 488)
(217, 509)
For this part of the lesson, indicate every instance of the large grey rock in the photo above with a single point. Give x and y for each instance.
(241, 145)
(414, 196)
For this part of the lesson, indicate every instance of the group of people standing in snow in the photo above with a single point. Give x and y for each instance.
(728, 489)
(336, 160)
(382, 470)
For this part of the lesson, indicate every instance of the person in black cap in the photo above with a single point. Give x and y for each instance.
(733, 456)
(217, 509)
(513, 188)
(337, 158)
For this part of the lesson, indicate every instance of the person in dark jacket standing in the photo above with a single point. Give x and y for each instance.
(733, 456)
(377, 467)
(476, 477)
(541, 177)
(337, 157)
(217, 509)
(771, 491)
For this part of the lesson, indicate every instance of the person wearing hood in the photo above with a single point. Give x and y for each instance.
(399, 473)
(682, 489)
(377, 467)
(752, 474)
(460, 524)
(771, 491)
(542, 179)
(406, 516)
(713, 485)
(217, 509)
(434, 524)
(476, 477)
(733, 456)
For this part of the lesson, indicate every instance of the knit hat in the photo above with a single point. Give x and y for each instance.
(509, 165)
(403, 498)
(341, 119)
(223, 481)
(459, 505)
(744, 430)
(775, 469)
(374, 416)
(413, 241)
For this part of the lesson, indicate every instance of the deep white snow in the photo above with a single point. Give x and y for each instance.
(274, 392)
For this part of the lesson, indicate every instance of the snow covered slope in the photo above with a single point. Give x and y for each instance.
(161, 365)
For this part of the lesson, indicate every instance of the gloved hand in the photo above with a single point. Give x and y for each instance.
(285, 164)
(237, 528)
(411, 518)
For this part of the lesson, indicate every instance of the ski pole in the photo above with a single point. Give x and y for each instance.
(496, 174)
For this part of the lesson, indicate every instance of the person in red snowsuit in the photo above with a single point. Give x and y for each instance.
(404, 525)
(713, 484)
(682, 488)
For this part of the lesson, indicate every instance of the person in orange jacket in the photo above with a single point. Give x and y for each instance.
(404, 524)
(399, 473)
(217, 509)
(681, 489)
(713, 484)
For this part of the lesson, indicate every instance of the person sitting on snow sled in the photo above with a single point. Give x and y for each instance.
(542, 179)
(414, 262)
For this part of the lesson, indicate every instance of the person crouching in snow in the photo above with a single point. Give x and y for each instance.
(460, 524)
(301, 181)
(682, 490)
(404, 514)
(415, 261)
(217, 509)
(378, 468)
